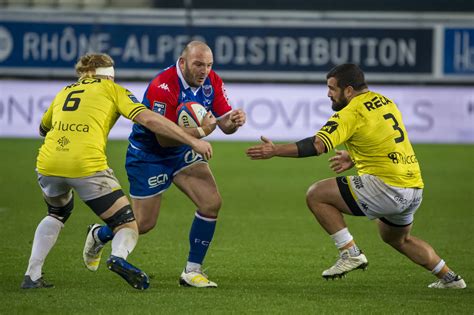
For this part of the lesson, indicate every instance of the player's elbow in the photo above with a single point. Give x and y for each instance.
(42, 131)
(144, 118)
(228, 130)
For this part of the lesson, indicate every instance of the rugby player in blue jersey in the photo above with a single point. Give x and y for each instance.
(154, 162)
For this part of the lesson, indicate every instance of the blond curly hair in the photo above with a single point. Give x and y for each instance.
(87, 64)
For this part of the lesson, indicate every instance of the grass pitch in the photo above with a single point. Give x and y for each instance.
(268, 251)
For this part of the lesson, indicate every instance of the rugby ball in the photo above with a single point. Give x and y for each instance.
(190, 114)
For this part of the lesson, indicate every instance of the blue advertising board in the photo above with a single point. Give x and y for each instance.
(459, 51)
(55, 46)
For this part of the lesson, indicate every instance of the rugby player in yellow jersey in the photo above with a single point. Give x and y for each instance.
(76, 127)
(388, 187)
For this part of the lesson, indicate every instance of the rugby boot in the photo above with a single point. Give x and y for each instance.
(345, 264)
(27, 283)
(134, 276)
(92, 249)
(457, 283)
(197, 279)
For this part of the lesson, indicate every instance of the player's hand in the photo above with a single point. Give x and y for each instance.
(263, 151)
(202, 147)
(209, 121)
(237, 117)
(341, 161)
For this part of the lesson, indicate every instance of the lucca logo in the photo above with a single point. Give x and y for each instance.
(330, 126)
(63, 141)
(399, 158)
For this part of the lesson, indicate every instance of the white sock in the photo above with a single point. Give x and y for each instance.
(45, 237)
(124, 242)
(341, 238)
(190, 266)
(438, 267)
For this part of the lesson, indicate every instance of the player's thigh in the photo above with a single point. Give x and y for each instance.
(392, 234)
(147, 209)
(327, 191)
(198, 183)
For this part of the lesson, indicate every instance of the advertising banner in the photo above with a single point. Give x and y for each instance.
(459, 51)
(278, 111)
(251, 48)
(149, 47)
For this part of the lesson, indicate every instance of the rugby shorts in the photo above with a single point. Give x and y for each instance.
(150, 174)
(88, 188)
(368, 195)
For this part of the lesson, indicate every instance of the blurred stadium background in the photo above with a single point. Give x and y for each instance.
(273, 56)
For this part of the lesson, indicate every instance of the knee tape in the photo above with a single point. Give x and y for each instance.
(61, 213)
(122, 216)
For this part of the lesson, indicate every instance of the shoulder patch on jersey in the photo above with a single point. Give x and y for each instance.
(207, 90)
(330, 126)
(133, 98)
(159, 107)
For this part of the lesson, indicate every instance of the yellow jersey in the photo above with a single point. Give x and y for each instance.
(78, 122)
(373, 132)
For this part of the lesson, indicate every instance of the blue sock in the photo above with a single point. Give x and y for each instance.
(105, 234)
(200, 237)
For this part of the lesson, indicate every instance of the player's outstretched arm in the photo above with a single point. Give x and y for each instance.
(267, 149)
(341, 161)
(164, 127)
(307, 147)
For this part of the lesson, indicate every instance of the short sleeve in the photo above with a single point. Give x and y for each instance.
(46, 120)
(161, 97)
(127, 104)
(338, 128)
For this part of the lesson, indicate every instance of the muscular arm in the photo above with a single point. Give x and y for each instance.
(169, 142)
(208, 126)
(268, 149)
(165, 128)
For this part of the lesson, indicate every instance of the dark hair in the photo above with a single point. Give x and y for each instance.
(348, 74)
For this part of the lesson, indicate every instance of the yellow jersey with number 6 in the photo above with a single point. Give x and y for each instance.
(373, 132)
(78, 122)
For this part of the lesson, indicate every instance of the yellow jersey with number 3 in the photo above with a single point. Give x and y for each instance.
(78, 122)
(373, 132)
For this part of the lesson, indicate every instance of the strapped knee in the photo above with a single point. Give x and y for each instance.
(61, 213)
(122, 216)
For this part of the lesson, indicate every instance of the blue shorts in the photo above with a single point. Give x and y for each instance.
(150, 174)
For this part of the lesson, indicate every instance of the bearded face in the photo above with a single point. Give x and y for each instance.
(336, 94)
(339, 102)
